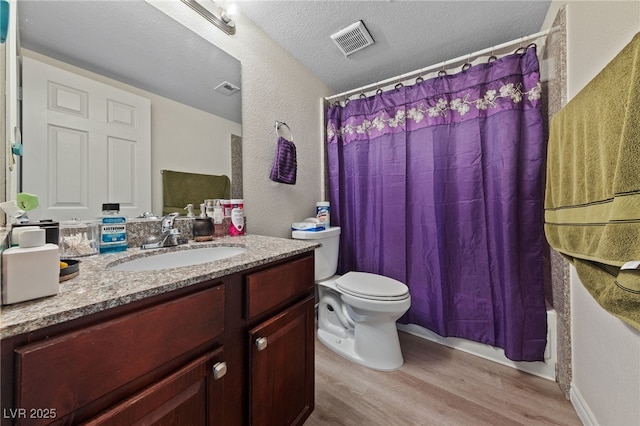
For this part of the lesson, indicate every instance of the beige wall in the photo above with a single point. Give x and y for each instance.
(605, 351)
(275, 86)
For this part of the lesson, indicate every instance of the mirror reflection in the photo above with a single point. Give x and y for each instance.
(113, 94)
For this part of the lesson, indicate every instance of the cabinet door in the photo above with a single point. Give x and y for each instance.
(192, 396)
(281, 373)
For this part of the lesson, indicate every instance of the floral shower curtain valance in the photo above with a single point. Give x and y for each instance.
(439, 185)
(481, 91)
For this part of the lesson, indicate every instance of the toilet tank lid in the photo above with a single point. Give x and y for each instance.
(316, 235)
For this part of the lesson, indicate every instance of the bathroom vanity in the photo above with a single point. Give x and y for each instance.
(229, 342)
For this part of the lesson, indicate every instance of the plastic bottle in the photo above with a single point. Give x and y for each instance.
(226, 206)
(323, 212)
(237, 217)
(218, 212)
(113, 229)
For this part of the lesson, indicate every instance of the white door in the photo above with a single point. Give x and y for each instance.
(85, 143)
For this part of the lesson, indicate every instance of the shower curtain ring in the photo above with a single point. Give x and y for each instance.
(442, 71)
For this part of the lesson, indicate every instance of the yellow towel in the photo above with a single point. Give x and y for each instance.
(592, 202)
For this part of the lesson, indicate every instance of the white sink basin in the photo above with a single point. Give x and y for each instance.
(176, 259)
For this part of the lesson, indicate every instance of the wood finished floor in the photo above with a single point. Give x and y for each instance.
(436, 386)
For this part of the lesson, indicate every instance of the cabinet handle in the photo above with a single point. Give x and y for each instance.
(219, 370)
(261, 343)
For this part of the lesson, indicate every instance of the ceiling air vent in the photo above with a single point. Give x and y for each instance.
(353, 38)
(226, 88)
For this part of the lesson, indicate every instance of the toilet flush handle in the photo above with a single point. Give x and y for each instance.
(261, 343)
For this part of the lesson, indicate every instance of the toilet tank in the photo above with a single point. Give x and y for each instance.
(326, 256)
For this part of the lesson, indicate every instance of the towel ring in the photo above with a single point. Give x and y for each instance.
(282, 123)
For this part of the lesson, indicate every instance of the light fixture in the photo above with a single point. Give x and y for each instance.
(213, 13)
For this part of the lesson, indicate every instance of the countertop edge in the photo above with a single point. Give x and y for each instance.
(15, 327)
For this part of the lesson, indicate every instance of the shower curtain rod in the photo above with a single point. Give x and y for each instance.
(421, 71)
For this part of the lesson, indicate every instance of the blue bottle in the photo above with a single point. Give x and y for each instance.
(113, 229)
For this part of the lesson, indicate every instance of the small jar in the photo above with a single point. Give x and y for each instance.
(78, 238)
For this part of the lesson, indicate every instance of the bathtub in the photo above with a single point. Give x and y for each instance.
(545, 369)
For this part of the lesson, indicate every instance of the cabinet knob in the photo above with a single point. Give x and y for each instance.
(219, 370)
(261, 343)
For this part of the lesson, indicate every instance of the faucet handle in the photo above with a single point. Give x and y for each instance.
(167, 221)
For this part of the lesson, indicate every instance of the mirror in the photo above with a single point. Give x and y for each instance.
(136, 47)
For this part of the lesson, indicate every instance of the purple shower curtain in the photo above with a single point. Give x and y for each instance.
(439, 185)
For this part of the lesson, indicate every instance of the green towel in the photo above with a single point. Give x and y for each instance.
(182, 188)
(592, 202)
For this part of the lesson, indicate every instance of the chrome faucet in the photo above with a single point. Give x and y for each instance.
(170, 235)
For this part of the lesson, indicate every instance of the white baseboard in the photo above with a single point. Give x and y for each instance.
(582, 408)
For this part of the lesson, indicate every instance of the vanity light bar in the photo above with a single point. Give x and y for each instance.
(206, 9)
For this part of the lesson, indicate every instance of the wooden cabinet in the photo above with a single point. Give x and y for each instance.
(281, 367)
(187, 357)
(85, 365)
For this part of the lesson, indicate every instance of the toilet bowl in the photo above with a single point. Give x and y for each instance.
(357, 312)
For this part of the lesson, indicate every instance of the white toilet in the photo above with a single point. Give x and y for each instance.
(357, 312)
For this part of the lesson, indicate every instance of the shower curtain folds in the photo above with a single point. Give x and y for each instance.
(439, 185)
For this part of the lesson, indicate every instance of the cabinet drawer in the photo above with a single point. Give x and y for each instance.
(274, 286)
(74, 369)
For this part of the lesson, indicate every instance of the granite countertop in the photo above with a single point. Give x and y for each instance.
(97, 288)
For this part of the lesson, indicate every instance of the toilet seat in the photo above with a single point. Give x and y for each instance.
(371, 286)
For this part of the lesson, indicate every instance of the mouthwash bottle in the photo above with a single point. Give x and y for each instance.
(113, 229)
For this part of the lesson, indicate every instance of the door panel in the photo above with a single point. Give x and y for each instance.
(85, 143)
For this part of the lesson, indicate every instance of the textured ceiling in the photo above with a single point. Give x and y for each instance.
(408, 34)
(134, 42)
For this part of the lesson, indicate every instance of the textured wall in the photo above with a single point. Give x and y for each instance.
(275, 86)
